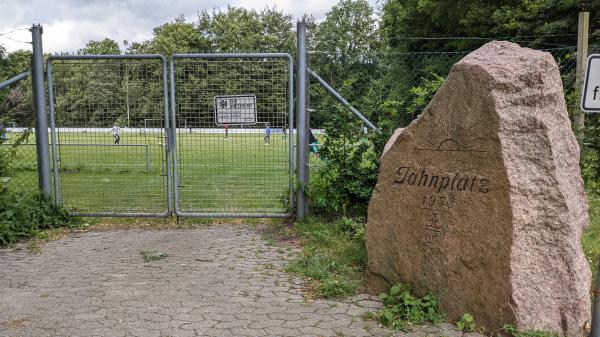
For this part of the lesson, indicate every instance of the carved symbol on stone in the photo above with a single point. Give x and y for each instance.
(450, 134)
(435, 229)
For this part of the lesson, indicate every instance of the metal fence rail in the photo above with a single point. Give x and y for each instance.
(102, 167)
(225, 164)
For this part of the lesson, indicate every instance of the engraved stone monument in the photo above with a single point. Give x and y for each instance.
(480, 200)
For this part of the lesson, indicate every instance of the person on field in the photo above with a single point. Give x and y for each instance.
(267, 134)
(226, 127)
(116, 131)
(284, 134)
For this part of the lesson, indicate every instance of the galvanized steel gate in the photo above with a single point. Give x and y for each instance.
(112, 134)
(235, 156)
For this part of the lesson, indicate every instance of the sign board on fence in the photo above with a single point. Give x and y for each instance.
(590, 96)
(235, 109)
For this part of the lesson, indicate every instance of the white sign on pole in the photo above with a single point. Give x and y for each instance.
(235, 109)
(590, 96)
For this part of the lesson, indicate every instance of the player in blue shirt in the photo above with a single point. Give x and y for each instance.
(267, 134)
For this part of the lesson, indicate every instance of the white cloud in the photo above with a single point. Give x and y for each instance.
(69, 24)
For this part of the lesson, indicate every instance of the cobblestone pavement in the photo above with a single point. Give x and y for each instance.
(216, 281)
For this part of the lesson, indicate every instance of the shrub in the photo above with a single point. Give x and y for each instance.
(346, 173)
(402, 309)
(466, 323)
(24, 215)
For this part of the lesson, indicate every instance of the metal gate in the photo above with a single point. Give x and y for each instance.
(110, 152)
(234, 151)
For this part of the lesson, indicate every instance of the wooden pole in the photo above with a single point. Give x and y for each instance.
(583, 28)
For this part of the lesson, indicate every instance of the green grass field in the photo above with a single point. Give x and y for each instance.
(240, 174)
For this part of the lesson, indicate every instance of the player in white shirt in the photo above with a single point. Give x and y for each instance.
(116, 131)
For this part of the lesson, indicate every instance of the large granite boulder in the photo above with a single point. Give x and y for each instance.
(481, 202)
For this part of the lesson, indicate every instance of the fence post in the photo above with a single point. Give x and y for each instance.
(302, 142)
(39, 107)
(308, 131)
(582, 51)
(596, 307)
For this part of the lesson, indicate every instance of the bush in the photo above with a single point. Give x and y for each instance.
(24, 215)
(346, 172)
(347, 169)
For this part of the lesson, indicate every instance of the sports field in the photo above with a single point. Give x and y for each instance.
(215, 175)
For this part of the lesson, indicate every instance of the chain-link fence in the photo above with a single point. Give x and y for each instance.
(224, 164)
(399, 84)
(391, 89)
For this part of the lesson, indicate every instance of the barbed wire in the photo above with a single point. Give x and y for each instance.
(375, 53)
(18, 41)
(476, 37)
(12, 31)
(4, 35)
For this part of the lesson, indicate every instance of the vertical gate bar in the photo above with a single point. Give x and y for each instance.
(148, 161)
(291, 126)
(301, 164)
(167, 130)
(595, 332)
(308, 129)
(39, 105)
(53, 132)
(174, 135)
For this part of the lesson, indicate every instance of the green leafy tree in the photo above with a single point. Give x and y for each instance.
(343, 45)
(526, 21)
(175, 37)
(242, 30)
(103, 47)
(16, 103)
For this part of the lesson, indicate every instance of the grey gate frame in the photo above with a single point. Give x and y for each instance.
(229, 56)
(56, 177)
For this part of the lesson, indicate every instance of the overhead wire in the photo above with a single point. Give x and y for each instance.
(476, 37)
(4, 35)
(12, 31)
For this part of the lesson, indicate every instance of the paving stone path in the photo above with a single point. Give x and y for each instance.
(216, 281)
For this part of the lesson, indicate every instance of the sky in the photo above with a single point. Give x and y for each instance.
(70, 24)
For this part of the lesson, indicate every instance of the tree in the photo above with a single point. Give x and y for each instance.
(135, 47)
(348, 32)
(242, 30)
(103, 47)
(16, 100)
(343, 44)
(527, 21)
(175, 37)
